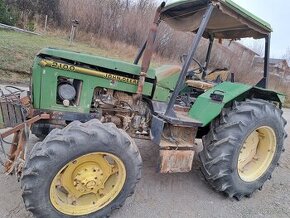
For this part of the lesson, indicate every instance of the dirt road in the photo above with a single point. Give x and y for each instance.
(179, 195)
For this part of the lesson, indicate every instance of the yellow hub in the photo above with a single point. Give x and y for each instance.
(87, 184)
(88, 177)
(257, 154)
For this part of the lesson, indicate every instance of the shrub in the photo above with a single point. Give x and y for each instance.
(30, 26)
(7, 16)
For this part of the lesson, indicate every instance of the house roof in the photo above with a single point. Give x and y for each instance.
(272, 61)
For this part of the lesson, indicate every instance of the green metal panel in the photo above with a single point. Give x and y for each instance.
(161, 94)
(167, 76)
(166, 79)
(205, 109)
(268, 95)
(281, 97)
(36, 82)
(115, 65)
(45, 88)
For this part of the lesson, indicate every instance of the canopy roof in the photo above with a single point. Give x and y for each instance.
(228, 20)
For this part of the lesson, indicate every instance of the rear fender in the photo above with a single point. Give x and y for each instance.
(205, 109)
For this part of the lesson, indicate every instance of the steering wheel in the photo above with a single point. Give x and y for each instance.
(200, 67)
(193, 72)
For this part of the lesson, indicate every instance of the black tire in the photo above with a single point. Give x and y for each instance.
(41, 136)
(47, 158)
(40, 133)
(227, 135)
(42, 129)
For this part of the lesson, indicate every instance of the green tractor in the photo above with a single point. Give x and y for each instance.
(87, 110)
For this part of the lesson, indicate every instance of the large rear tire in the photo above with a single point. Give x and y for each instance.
(84, 170)
(243, 147)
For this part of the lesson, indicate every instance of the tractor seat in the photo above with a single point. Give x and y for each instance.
(199, 84)
(218, 74)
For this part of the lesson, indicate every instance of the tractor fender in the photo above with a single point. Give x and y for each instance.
(206, 109)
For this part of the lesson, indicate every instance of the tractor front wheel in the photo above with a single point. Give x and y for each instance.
(84, 170)
(243, 147)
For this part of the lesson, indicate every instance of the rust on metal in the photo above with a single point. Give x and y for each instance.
(175, 161)
(177, 137)
(11, 114)
(17, 148)
(176, 149)
(16, 152)
(22, 125)
(25, 101)
(149, 51)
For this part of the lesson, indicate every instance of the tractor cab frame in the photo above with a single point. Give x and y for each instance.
(211, 19)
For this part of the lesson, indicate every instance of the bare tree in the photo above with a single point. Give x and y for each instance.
(287, 55)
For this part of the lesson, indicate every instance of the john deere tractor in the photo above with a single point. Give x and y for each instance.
(87, 109)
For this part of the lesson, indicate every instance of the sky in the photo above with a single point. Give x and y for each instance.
(277, 14)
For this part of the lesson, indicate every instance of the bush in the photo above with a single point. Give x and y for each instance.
(31, 26)
(7, 16)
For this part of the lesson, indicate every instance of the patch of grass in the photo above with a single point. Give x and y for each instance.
(19, 49)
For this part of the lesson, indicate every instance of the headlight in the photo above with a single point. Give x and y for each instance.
(66, 91)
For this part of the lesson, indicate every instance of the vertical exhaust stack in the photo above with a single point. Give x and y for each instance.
(148, 52)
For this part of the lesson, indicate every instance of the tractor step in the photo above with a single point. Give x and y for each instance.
(181, 119)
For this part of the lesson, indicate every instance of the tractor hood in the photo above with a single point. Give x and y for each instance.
(228, 20)
(92, 60)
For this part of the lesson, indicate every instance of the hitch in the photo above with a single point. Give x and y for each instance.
(17, 153)
(16, 113)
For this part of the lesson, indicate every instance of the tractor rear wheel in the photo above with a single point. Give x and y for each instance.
(84, 170)
(243, 147)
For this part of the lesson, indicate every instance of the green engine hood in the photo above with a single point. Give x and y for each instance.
(112, 64)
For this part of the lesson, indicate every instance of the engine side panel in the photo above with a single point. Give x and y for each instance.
(45, 83)
(93, 60)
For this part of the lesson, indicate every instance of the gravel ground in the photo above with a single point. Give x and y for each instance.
(179, 195)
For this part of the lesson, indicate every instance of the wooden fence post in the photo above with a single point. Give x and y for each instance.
(45, 23)
(75, 23)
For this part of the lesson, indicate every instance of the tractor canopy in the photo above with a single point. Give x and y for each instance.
(228, 20)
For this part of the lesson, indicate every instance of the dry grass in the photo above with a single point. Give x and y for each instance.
(18, 51)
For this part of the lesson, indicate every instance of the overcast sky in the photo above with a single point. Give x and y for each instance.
(277, 14)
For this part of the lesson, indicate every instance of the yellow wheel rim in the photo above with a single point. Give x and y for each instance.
(257, 154)
(87, 184)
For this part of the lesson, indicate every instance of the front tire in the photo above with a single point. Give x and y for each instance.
(243, 147)
(84, 170)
